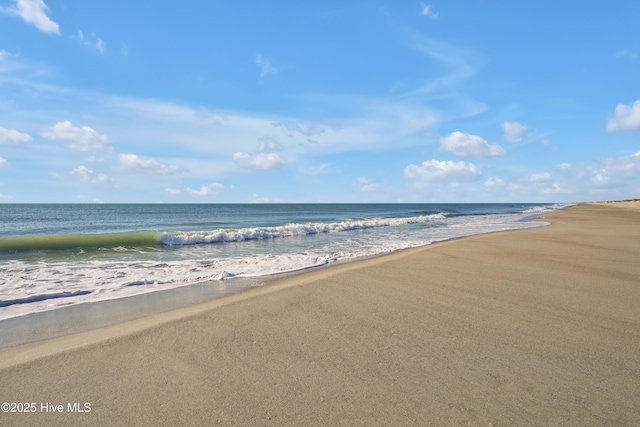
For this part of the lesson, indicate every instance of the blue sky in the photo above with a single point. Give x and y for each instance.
(290, 101)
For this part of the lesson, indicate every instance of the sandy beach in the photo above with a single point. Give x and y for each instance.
(535, 327)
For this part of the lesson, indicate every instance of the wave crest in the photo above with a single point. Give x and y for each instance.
(288, 230)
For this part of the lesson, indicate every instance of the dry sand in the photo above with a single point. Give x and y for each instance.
(629, 204)
(529, 327)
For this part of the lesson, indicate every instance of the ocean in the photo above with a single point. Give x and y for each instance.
(57, 255)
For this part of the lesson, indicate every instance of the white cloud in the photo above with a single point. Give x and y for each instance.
(90, 176)
(465, 145)
(172, 191)
(100, 45)
(601, 177)
(3, 162)
(364, 184)
(132, 162)
(564, 167)
(540, 177)
(259, 160)
(205, 190)
(33, 12)
(5, 197)
(437, 170)
(626, 54)
(427, 10)
(626, 117)
(494, 182)
(79, 138)
(514, 131)
(305, 130)
(93, 159)
(265, 66)
(549, 144)
(13, 136)
(314, 170)
(269, 145)
(92, 40)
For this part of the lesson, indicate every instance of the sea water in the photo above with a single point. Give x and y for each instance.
(53, 256)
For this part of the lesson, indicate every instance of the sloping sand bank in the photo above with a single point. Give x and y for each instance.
(529, 327)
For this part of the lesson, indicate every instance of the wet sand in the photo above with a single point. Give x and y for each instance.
(527, 327)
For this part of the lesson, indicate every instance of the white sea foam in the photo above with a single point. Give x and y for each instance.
(28, 286)
(288, 230)
(546, 209)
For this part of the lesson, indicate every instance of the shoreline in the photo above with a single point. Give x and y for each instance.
(87, 316)
(533, 326)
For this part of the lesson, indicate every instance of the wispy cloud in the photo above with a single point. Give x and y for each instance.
(626, 54)
(461, 64)
(33, 12)
(494, 182)
(427, 10)
(92, 40)
(266, 68)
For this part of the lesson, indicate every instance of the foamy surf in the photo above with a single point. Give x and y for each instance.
(48, 276)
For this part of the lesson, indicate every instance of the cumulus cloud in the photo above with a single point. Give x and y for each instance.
(3, 162)
(33, 12)
(366, 185)
(134, 163)
(205, 190)
(514, 131)
(465, 145)
(13, 136)
(172, 191)
(432, 170)
(427, 10)
(626, 117)
(90, 176)
(259, 160)
(79, 138)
